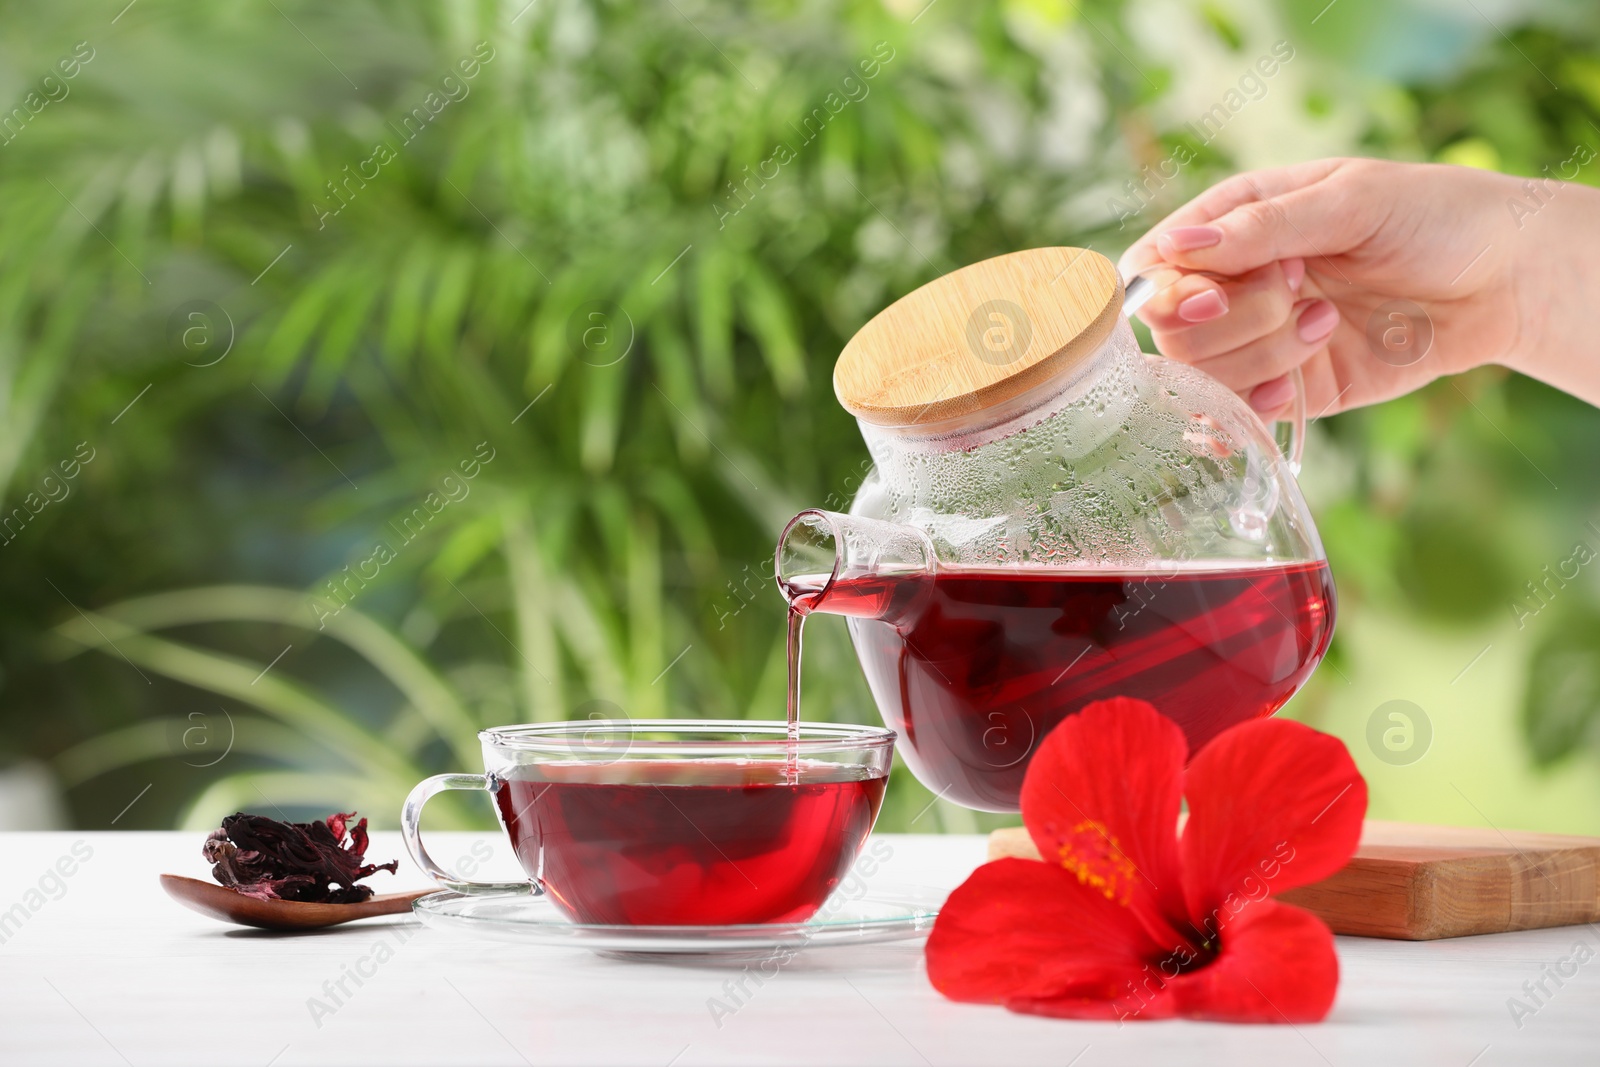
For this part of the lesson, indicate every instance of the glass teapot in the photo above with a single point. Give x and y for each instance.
(1052, 518)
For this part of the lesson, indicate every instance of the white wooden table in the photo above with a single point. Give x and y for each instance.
(107, 970)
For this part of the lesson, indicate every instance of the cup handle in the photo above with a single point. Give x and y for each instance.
(1290, 432)
(411, 830)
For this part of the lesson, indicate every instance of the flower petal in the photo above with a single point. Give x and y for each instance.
(1273, 804)
(1277, 965)
(1101, 800)
(1023, 929)
(1146, 1005)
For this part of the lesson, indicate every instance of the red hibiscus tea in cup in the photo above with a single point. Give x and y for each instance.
(675, 822)
(665, 842)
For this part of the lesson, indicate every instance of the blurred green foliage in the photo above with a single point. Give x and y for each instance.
(591, 257)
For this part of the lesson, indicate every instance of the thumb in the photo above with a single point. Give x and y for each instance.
(1310, 222)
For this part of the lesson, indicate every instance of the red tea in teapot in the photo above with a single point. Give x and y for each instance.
(1018, 438)
(986, 663)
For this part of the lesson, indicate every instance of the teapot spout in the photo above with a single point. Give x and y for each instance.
(844, 565)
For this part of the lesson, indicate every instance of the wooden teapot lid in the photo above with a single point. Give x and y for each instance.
(979, 336)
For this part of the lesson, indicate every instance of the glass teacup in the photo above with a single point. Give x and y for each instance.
(675, 821)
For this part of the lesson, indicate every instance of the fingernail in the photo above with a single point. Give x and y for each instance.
(1203, 307)
(1317, 321)
(1188, 238)
(1294, 272)
(1270, 396)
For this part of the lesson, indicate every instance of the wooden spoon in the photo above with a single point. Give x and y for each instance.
(220, 902)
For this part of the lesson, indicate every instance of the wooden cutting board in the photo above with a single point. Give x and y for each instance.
(1419, 883)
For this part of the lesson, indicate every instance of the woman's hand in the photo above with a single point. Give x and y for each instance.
(1374, 278)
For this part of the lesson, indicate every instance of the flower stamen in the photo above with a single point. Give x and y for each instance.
(1093, 855)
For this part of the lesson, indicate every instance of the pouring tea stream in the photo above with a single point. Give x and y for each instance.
(1053, 517)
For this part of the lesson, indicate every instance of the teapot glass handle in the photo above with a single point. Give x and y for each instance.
(1290, 432)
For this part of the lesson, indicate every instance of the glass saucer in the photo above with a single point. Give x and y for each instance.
(888, 913)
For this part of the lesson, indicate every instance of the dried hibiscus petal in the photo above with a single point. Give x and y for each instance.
(272, 860)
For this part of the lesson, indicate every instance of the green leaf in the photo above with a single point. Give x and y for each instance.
(406, 297)
(466, 547)
(153, 739)
(603, 397)
(542, 683)
(293, 333)
(377, 799)
(442, 331)
(713, 292)
(645, 622)
(222, 674)
(769, 318)
(688, 519)
(339, 337)
(246, 682)
(1561, 699)
(669, 355)
(1452, 568)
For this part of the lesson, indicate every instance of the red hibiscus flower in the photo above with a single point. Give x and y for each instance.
(1125, 919)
